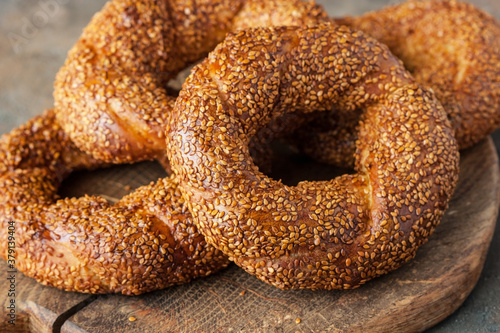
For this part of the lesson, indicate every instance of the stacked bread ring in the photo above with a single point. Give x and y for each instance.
(112, 106)
(111, 93)
(145, 241)
(334, 234)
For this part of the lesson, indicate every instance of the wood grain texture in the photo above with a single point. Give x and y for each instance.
(36, 307)
(411, 299)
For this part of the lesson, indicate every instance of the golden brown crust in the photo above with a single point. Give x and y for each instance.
(146, 241)
(110, 92)
(318, 235)
(330, 235)
(449, 46)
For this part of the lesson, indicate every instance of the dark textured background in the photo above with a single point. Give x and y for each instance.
(35, 36)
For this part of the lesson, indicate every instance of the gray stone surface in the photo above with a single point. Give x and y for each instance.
(35, 36)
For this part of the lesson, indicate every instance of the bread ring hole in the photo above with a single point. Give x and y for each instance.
(292, 166)
(174, 85)
(111, 183)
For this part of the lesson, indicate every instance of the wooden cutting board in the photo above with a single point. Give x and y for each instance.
(413, 298)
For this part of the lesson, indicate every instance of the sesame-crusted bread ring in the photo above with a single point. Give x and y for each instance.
(111, 93)
(449, 46)
(325, 234)
(146, 241)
